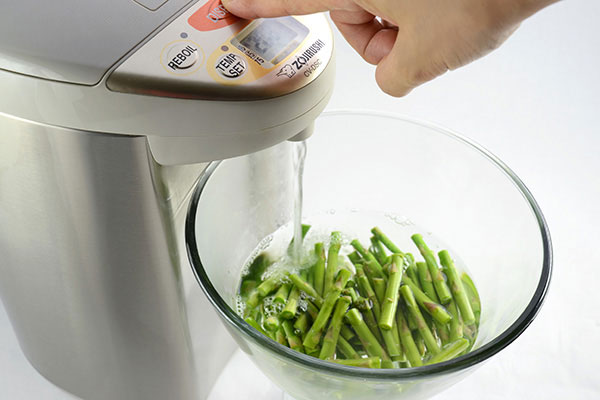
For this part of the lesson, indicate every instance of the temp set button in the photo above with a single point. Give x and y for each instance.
(231, 66)
(181, 56)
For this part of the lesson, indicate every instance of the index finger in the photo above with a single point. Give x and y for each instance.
(252, 9)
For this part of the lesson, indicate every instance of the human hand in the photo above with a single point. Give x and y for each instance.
(410, 41)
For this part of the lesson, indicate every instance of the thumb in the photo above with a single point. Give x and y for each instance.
(252, 9)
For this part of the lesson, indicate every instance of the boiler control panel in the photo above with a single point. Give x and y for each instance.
(209, 53)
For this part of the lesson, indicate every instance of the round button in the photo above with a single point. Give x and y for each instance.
(181, 56)
(231, 66)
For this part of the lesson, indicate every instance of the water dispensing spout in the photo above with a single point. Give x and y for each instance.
(303, 134)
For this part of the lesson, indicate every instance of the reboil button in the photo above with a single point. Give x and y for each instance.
(182, 55)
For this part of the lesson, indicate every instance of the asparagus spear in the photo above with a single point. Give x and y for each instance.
(257, 267)
(450, 351)
(271, 323)
(367, 339)
(428, 289)
(386, 241)
(456, 326)
(332, 260)
(282, 293)
(270, 284)
(316, 330)
(304, 286)
(291, 306)
(331, 336)
(426, 281)
(280, 336)
(253, 323)
(312, 310)
(293, 339)
(355, 258)
(402, 357)
(370, 362)
(390, 301)
(473, 296)
(458, 291)
(422, 327)
(319, 268)
(301, 324)
(346, 348)
(437, 311)
(392, 347)
(420, 343)
(411, 267)
(367, 290)
(346, 332)
(378, 250)
(246, 288)
(349, 291)
(379, 287)
(439, 283)
(305, 229)
(369, 257)
(371, 321)
(253, 299)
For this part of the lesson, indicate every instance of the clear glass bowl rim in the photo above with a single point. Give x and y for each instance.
(460, 363)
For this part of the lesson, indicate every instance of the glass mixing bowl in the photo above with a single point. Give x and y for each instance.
(413, 172)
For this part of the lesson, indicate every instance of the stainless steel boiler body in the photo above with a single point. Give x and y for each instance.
(98, 157)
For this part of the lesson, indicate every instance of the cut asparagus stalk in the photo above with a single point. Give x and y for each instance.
(408, 343)
(305, 229)
(331, 336)
(253, 323)
(248, 285)
(367, 290)
(280, 336)
(369, 362)
(456, 325)
(319, 268)
(369, 257)
(332, 260)
(437, 311)
(437, 276)
(347, 333)
(368, 340)
(456, 286)
(302, 322)
(293, 339)
(371, 322)
(422, 327)
(313, 336)
(378, 250)
(386, 241)
(355, 258)
(473, 295)
(390, 300)
(411, 267)
(305, 287)
(282, 293)
(346, 349)
(271, 323)
(449, 352)
(270, 284)
(379, 287)
(291, 305)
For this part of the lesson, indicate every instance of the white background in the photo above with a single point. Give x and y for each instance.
(534, 103)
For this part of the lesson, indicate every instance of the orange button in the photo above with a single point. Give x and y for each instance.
(213, 15)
